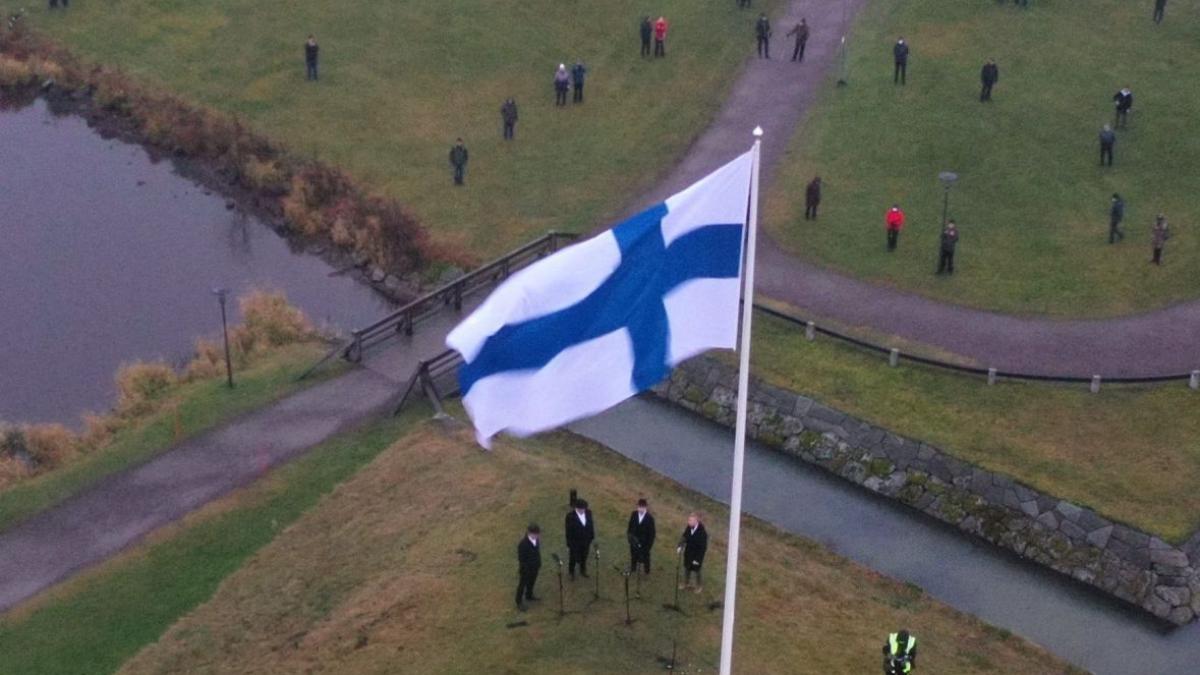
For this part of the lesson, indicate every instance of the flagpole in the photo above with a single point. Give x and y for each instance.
(739, 441)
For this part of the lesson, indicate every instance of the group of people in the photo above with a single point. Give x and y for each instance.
(580, 534)
(656, 29)
(567, 80)
(1159, 233)
(1122, 105)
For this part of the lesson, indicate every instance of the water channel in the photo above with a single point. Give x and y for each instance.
(107, 256)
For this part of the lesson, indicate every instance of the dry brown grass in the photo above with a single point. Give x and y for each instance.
(408, 567)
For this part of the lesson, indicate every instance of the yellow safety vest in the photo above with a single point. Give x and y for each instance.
(895, 650)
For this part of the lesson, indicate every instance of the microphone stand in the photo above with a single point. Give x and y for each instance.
(596, 594)
(675, 606)
(558, 560)
(625, 573)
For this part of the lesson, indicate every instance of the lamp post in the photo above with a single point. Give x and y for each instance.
(948, 179)
(222, 295)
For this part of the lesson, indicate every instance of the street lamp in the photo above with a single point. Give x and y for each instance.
(222, 294)
(948, 179)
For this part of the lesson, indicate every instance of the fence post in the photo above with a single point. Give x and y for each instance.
(457, 297)
(1194, 382)
(894, 358)
(810, 331)
(1095, 384)
(991, 376)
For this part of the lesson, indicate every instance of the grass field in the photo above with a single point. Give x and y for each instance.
(409, 566)
(401, 80)
(1132, 453)
(1031, 201)
(95, 622)
(194, 408)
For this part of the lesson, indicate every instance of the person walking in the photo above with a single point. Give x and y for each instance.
(899, 653)
(894, 220)
(641, 534)
(578, 71)
(310, 58)
(581, 530)
(949, 242)
(812, 198)
(801, 33)
(762, 29)
(508, 114)
(989, 75)
(1160, 6)
(660, 37)
(743, 4)
(1108, 138)
(647, 30)
(562, 82)
(1123, 101)
(900, 57)
(529, 562)
(693, 544)
(1116, 213)
(458, 160)
(1158, 238)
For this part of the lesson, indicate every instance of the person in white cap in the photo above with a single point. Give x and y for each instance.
(562, 82)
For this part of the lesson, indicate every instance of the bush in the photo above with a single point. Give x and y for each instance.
(14, 73)
(141, 385)
(209, 361)
(52, 444)
(266, 176)
(269, 321)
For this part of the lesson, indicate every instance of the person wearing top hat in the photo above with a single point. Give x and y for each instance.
(529, 562)
(641, 537)
(581, 530)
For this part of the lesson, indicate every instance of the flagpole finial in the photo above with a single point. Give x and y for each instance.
(758, 132)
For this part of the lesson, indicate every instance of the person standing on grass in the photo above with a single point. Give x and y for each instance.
(562, 82)
(989, 75)
(581, 531)
(743, 4)
(1160, 6)
(1116, 213)
(529, 562)
(660, 37)
(647, 30)
(641, 534)
(949, 242)
(894, 221)
(1158, 238)
(1123, 101)
(578, 71)
(801, 33)
(458, 160)
(310, 58)
(508, 113)
(693, 544)
(762, 29)
(900, 58)
(812, 198)
(1108, 138)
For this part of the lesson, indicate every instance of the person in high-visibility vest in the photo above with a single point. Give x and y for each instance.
(899, 653)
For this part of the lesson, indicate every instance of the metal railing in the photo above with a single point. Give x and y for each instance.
(442, 369)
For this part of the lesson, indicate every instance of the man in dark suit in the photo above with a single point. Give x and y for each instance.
(580, 533)
(693, 544)
(989, 76)
(529, 561)
(641, 537)
(900, 58)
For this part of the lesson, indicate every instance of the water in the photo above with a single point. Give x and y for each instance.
(107, 256)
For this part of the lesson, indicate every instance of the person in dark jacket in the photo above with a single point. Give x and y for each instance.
(900, 58)
(1123, 101)
(508, 114)
(1160, 6)
(762, 29)
(899, 653)
(529, 562)
(310, 58)
(989, 75)
(693, 544)
(578, 72)
(647, 30)
(1158, 238)
(580, 533)
(562, 82)
(949, 242)
(1116, 213)
(801, 33)
(640, 533)
(1108, 138)
(458, 160)
(812, 198)
(743, 4)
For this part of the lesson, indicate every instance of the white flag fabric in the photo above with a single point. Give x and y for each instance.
(594, 324)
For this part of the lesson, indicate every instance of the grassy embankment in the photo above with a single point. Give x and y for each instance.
(1031, 201)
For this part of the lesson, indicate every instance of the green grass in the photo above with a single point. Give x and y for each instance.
(194, 408)
(401, 80)
(94, 623)
(1129, 452)
(1032, 201)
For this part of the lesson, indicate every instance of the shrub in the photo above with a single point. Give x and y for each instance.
(51, 444)
(209, 361)
(266, 176)
(392, 237)
(14, 73)
(12, 472)
(141, 385)
(270, 321)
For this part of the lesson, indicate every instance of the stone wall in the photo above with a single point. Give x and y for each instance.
(1125, 562)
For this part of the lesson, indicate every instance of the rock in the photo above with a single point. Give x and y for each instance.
(392, 283)
(1157, 606)
(229, 205)
(1072, 530)
(874, 483)
(1181, 616)
(855, 472)
(1030, 508)
(1178, 596)
(377, 275)
(1048, 520)
(449, 274)
(1099, 538)
(1172, 557)
(1157, 544)
(1069, 510)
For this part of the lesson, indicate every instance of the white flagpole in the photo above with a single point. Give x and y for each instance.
(739, 441)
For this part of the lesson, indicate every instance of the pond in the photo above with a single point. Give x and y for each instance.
(107, 256)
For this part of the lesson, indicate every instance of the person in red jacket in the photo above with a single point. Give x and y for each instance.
(660, 37)
(895, 223)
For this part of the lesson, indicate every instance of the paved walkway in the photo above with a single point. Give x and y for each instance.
(776, 95)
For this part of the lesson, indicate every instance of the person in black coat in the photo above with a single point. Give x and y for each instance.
(646, 29)
(989, 75)
(581, 530)
(529, 562)
(812, 198)
(311, 49)
(1107, 140)
(1160, 6)
(1123, 101)
(641, 537)
(900, 58)
(693, 544)
(1116, 213)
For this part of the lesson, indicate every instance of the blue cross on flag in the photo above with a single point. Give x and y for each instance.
(594, 324)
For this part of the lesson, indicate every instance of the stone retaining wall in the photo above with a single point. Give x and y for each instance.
(1125, 562)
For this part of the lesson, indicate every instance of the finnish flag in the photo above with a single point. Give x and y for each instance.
(594, 324)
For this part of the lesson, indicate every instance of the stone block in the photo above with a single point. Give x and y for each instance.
(1091, 522)
(1181, 616)
(1048, 520)
(1072, 530)
(825, 414)
(1130, 536)
(926, 453)
(1069, 511)
(1172, 557)
(1024, 493)
(1099, 538)
(1157, 544)
(803, 405)
(1030, 508)
(854, 471)
(1176, 596)
(1010, 500)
